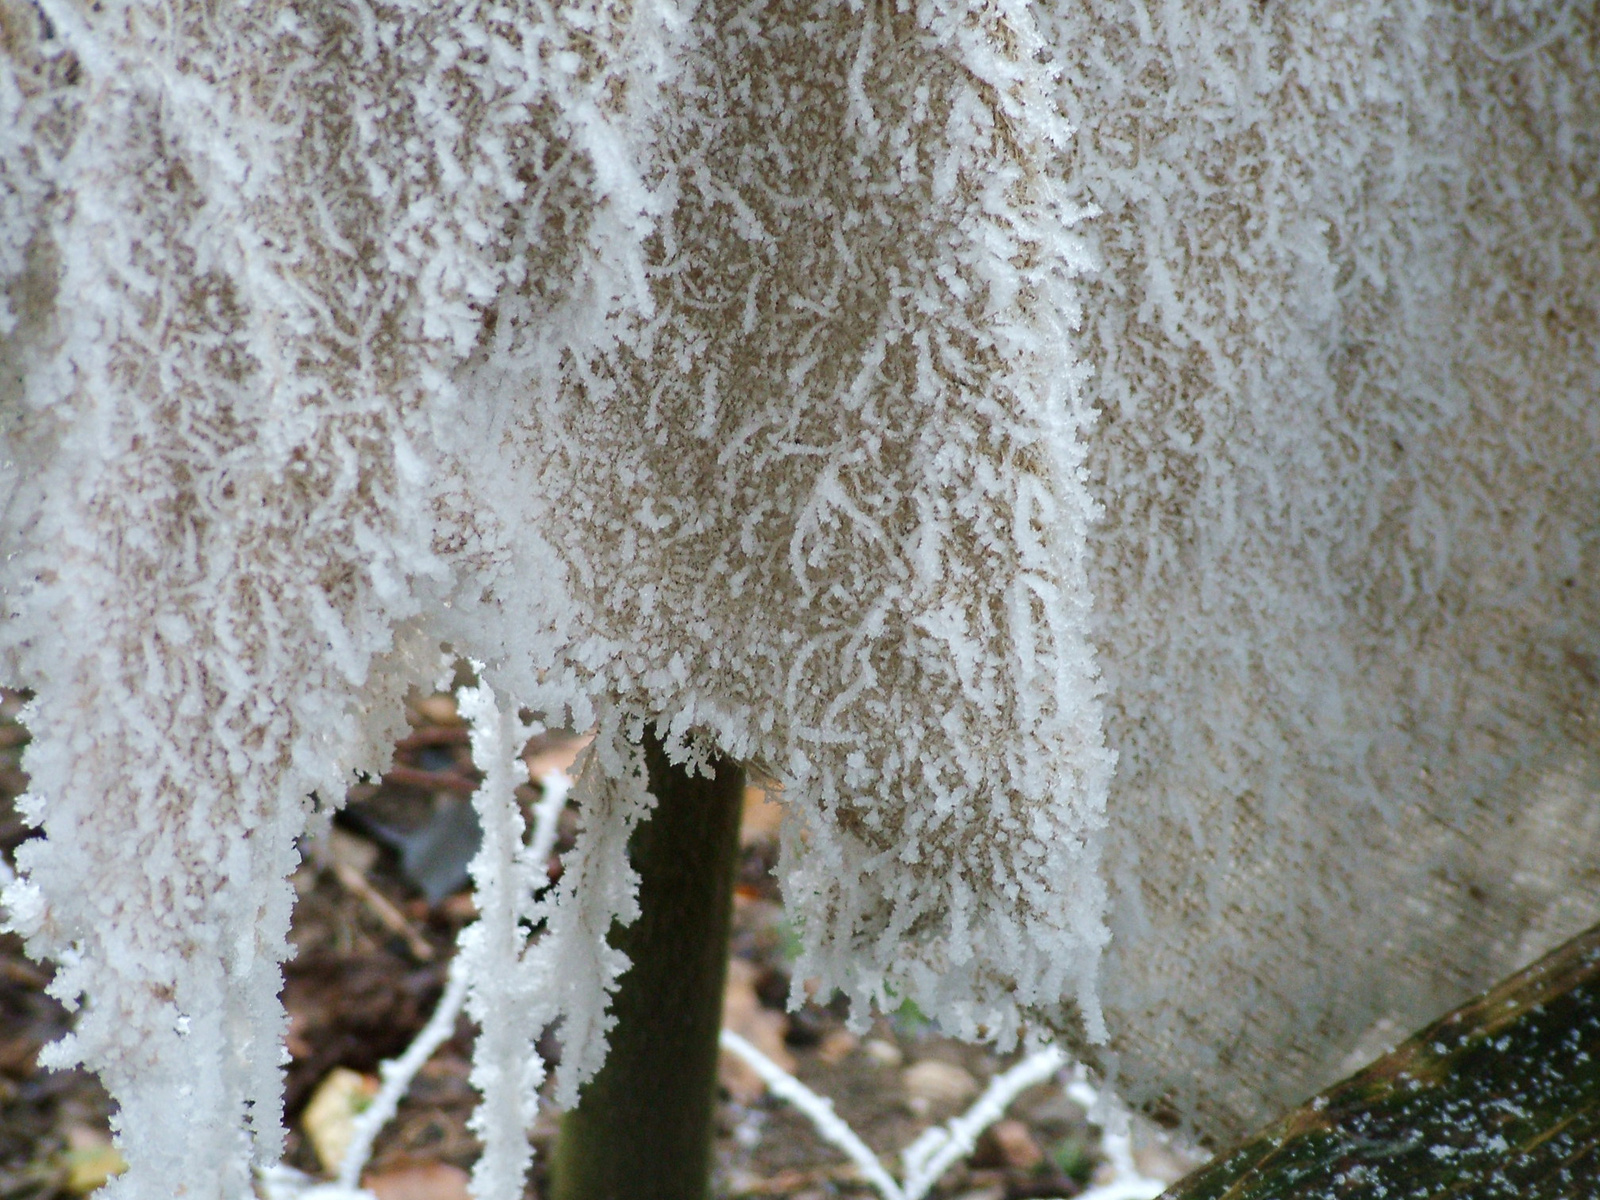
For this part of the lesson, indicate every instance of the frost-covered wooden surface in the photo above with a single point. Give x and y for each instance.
(934, 405)
(1500, 1100)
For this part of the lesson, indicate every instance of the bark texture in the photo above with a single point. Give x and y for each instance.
(643, 1129)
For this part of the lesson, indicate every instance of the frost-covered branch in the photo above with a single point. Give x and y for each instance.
(832, 1128)
(396, 1075)
(1127, 1182)
(942, 1146)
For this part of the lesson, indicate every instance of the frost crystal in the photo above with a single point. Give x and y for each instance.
(1347, 354)
(244, 249)
(797, 376)
(821, 491)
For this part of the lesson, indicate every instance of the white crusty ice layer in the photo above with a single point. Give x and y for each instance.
(845, 386)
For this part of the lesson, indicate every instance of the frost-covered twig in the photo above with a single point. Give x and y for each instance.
(938, 1148)
(286, 1183)
(397, 1074)
(554, 787)
(829, 1125)
(1127, 1182)
(506, 1067)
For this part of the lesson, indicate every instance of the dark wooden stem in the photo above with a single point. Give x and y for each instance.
(643, 1126)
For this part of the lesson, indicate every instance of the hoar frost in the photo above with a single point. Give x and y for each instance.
(1347, 356)
(933, 405)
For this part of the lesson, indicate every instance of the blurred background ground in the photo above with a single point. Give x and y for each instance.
(380, 902)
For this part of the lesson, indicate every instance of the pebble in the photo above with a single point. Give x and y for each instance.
(934, 1084)
(1015, 1145)
(885, 1054)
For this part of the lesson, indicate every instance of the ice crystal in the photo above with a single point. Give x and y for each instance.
(1346, 350)
(843, 387)
(255, 242)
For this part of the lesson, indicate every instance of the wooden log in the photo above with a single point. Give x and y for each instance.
(1500, 1098)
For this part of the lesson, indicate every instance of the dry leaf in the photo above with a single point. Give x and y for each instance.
(762, 816)
(331, 1113)
(763, 1028)
(90, 1160)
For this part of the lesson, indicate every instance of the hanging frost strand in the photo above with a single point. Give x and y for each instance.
(506, 1067)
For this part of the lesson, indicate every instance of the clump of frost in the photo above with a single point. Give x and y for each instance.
(243, 251)
(1347, 357)
(821, 492)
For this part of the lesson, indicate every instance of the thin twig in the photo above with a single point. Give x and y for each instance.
(397, 1074)
(1127, 1182)
(829, 1125)
(391, 917)
(939, 1148)
(547, 815)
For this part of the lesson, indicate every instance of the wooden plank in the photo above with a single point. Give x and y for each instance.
(1499, 1099)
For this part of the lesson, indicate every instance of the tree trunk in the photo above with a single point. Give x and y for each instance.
(1499, 1099)
(643, 1127)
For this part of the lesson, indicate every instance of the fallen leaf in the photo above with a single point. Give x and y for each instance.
(329, 1118)
(762, 816)
(90, 1160)
(763, 1028)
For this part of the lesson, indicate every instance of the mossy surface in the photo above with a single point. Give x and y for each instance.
(1500, 1098)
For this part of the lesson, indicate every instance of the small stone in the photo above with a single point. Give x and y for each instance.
(1014, 1145)
(933, 1084)
(885, 1054)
